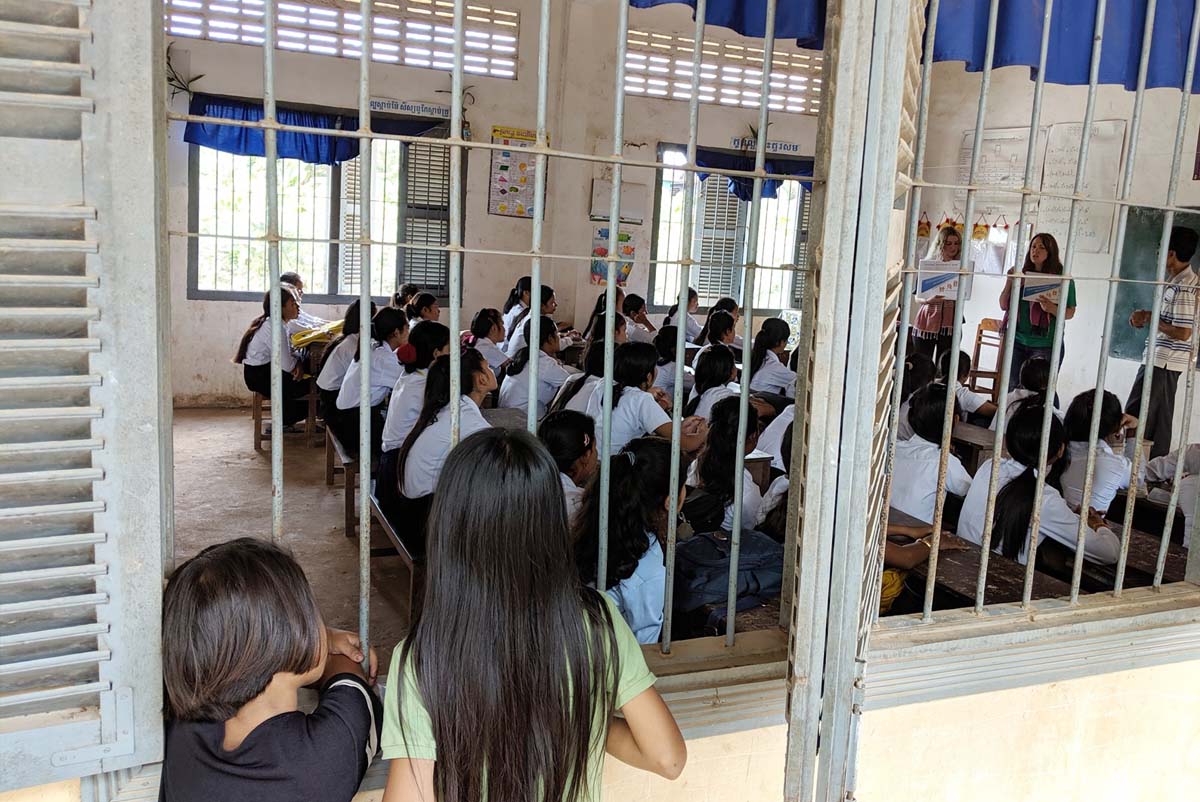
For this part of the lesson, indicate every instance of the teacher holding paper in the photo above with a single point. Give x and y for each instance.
(1037, 320)
(933, 330)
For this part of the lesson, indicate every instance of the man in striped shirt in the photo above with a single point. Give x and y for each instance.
(1172, 343)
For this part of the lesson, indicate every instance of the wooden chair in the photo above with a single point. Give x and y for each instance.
(987, 336)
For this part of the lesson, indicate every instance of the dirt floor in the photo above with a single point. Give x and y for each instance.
(223, 491)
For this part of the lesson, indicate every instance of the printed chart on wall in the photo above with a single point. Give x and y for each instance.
(510, 184)
(1094, 227)
(626, 252)
(1001, 165)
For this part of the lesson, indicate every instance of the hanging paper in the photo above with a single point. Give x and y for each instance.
(626, 252)
(510, 184)
(979, 231)
(937, 278)
(924, 226)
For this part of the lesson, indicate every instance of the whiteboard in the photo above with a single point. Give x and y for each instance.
(1002, 157)
(633, 201)
(1095, 220)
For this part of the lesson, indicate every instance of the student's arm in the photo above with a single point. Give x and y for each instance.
(689, 439)
(909, 556)
(987, 408)
(646, 738)
(409, 781)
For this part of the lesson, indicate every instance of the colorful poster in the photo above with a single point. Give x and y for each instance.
(626, 251)
(510, 185)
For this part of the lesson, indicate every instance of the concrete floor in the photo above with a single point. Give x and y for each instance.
(223, 491)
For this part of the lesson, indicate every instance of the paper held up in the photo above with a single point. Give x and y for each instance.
(936, 278)
(1041, 288)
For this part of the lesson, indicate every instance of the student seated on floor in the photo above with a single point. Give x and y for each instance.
(713, 470)
(487, 329)
(636, 409)
(1035, 378)
(389, 333)
(1014, 498)
(973, 407)
(423, 306)
(716, 375)
(570, 437)
(254, 355)
(501, 585)
(514, 392)
(1160, 471)
(638, 509)
(664, 378)
(918, 459)
(1112, 469)
(338, 356)
(517, 336)
(641, 330)
(420, 460)
(241, 635)
(768, 374)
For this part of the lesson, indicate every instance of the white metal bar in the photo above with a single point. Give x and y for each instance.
(539, 213)
(275, 316)
(365, 338)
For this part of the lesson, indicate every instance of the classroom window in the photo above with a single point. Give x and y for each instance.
(415, 33)
(721, 229)
(660, 65)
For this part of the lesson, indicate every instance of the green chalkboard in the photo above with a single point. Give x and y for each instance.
(1139, 260)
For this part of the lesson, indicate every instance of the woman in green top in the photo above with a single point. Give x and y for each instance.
(507, 685)
(1036, 321)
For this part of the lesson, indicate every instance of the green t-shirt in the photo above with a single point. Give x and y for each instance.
(416, 739)
(1034, 339)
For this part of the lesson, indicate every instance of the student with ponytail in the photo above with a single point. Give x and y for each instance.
(525, 722)
(577, 390)
(426, 342)
(664, 343)
(423, 306)
(571, 438)
(517, 337)
(729, 307)
(636, 410)
(514, 392)
(487, 329)
(402, 297)
(1111, 474)
(1014, 501)
(713, 470)
(599, 307)
(1035, 378)
(692, 327)
(716, 374)
(254, 355)
(768, 374)
(337, 359)
(389, 333)
(718, 330)
(516, 305)
(638, 511)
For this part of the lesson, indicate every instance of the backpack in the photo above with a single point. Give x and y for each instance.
(702, 571)
(704, 511)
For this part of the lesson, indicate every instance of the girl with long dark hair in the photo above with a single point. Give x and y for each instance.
(664, 379)
(254, 355)
(514, 392)
(389, 333)
(919, 371)
(1031, 388)
(768, 374)
(1014, 501)
(577, 390)
(713, 470)
(517, 337)
(729, 307)
(487, 329)
(1112, 469)
(336, 361)
(570, 437)
(516, 305)
(692, 327)
(525, 722)
(719, 329)
(1036, 320)
(423, 306)
(638, 511)
(599, 307)
(402, 297)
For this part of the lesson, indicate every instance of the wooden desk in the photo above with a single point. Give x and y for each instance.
(975, 443)
(1149, 515)
(504, 417)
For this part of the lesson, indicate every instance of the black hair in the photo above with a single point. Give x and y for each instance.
(351, 324)
(1014, 502)
(523, 356)
(523, 285)
(1078, 422)
(568, 435)
(286, 293)
(500, 583)
(419, 304)
(717, 459)
(774, 333)
(718, 324)
(640, 484)
(425, 338)
(713, 369)
(547, 294)
(292, 277)
(599, 332)
(634, 303)
(1035, 375)
(484, 321)
(593, 365)
(599, 307)
(632, 363)
(402, 296)
(664, 343)
(386, 321)
(927, 412)
(918, 372)
(964, 365)
(675, 307)
(437, 397)
(233, 617)
(1183, 243)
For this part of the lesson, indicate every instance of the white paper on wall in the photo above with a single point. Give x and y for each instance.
(1094, 227)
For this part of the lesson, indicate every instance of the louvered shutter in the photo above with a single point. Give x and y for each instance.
(719, 241)
(427, 217)
(801, 259)
(349, 229)
(84, 406)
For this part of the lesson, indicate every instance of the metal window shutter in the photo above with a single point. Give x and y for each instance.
(720, 234)
(350, 228)
(800, 278)
(427, 216)
(84, 426)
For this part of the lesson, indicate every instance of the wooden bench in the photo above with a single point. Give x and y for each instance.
(377, 517)
(335, 458)
(350, 471)
(1140, 564)
(259, 403)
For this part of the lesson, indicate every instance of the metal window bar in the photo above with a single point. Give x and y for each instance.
(276, 312)
(539, 213)
(365, 340)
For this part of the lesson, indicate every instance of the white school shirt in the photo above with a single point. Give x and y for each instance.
(491, 352)
(774, 495)
(774, 377)
(514, 392)
(771, 440)
(712, 396)
(915, 477)
(637, 333)
(1058, 521)
(572, 494)
(1189, 486)
(408, 395)
(428, 454)
(692, 327)
(1112, 475)
(904, 429)
(579, 401)
(510, 317)
(385, 372)
(336, 364)
(259, 350)
(753, 509)
(640, 596)
(634, 414)
(1015, 397)
(970, 401)
(664, 377)
(1162, 469)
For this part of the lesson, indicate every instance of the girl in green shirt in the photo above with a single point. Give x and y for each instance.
(1036, 322)
(509, 681)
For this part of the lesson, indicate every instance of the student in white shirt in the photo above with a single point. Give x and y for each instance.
(424, 306)
(577, 390)
(638, 511)
(1112, 469)
(641, 330)
(516, 306)
(254, 355)
(389, 332)
(1161, 471)
(595, 337)
(1035, 378)
(303, 320)
(691, 326)
(636, 411)
(338, 356)
(598, 309)
(729, 307)
(715, 379)
(713, 470)
(768, 374)
(969, 402)
(516, 339)
(570, 437)
(1014, 500)
(718, 330)
(514, 392)
(419, 463)
(402, 297)
(918, 459)
(487, 329)
(775, 500)
(664, 379)
(772, 440)
(918, 372)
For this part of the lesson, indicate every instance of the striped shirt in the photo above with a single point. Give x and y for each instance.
(1178, 309)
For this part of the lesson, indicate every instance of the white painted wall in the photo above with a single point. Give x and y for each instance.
(583, 75)
(952, 112)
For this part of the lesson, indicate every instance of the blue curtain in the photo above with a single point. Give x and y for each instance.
(743, 187)
(802, 20)
(311, 148)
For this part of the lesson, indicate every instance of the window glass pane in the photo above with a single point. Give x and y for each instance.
(670, 230)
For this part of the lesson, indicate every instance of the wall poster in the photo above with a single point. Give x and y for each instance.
(511, 179)
(626, 250)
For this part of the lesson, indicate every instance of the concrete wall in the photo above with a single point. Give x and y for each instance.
(581, 89)
(952, 113)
